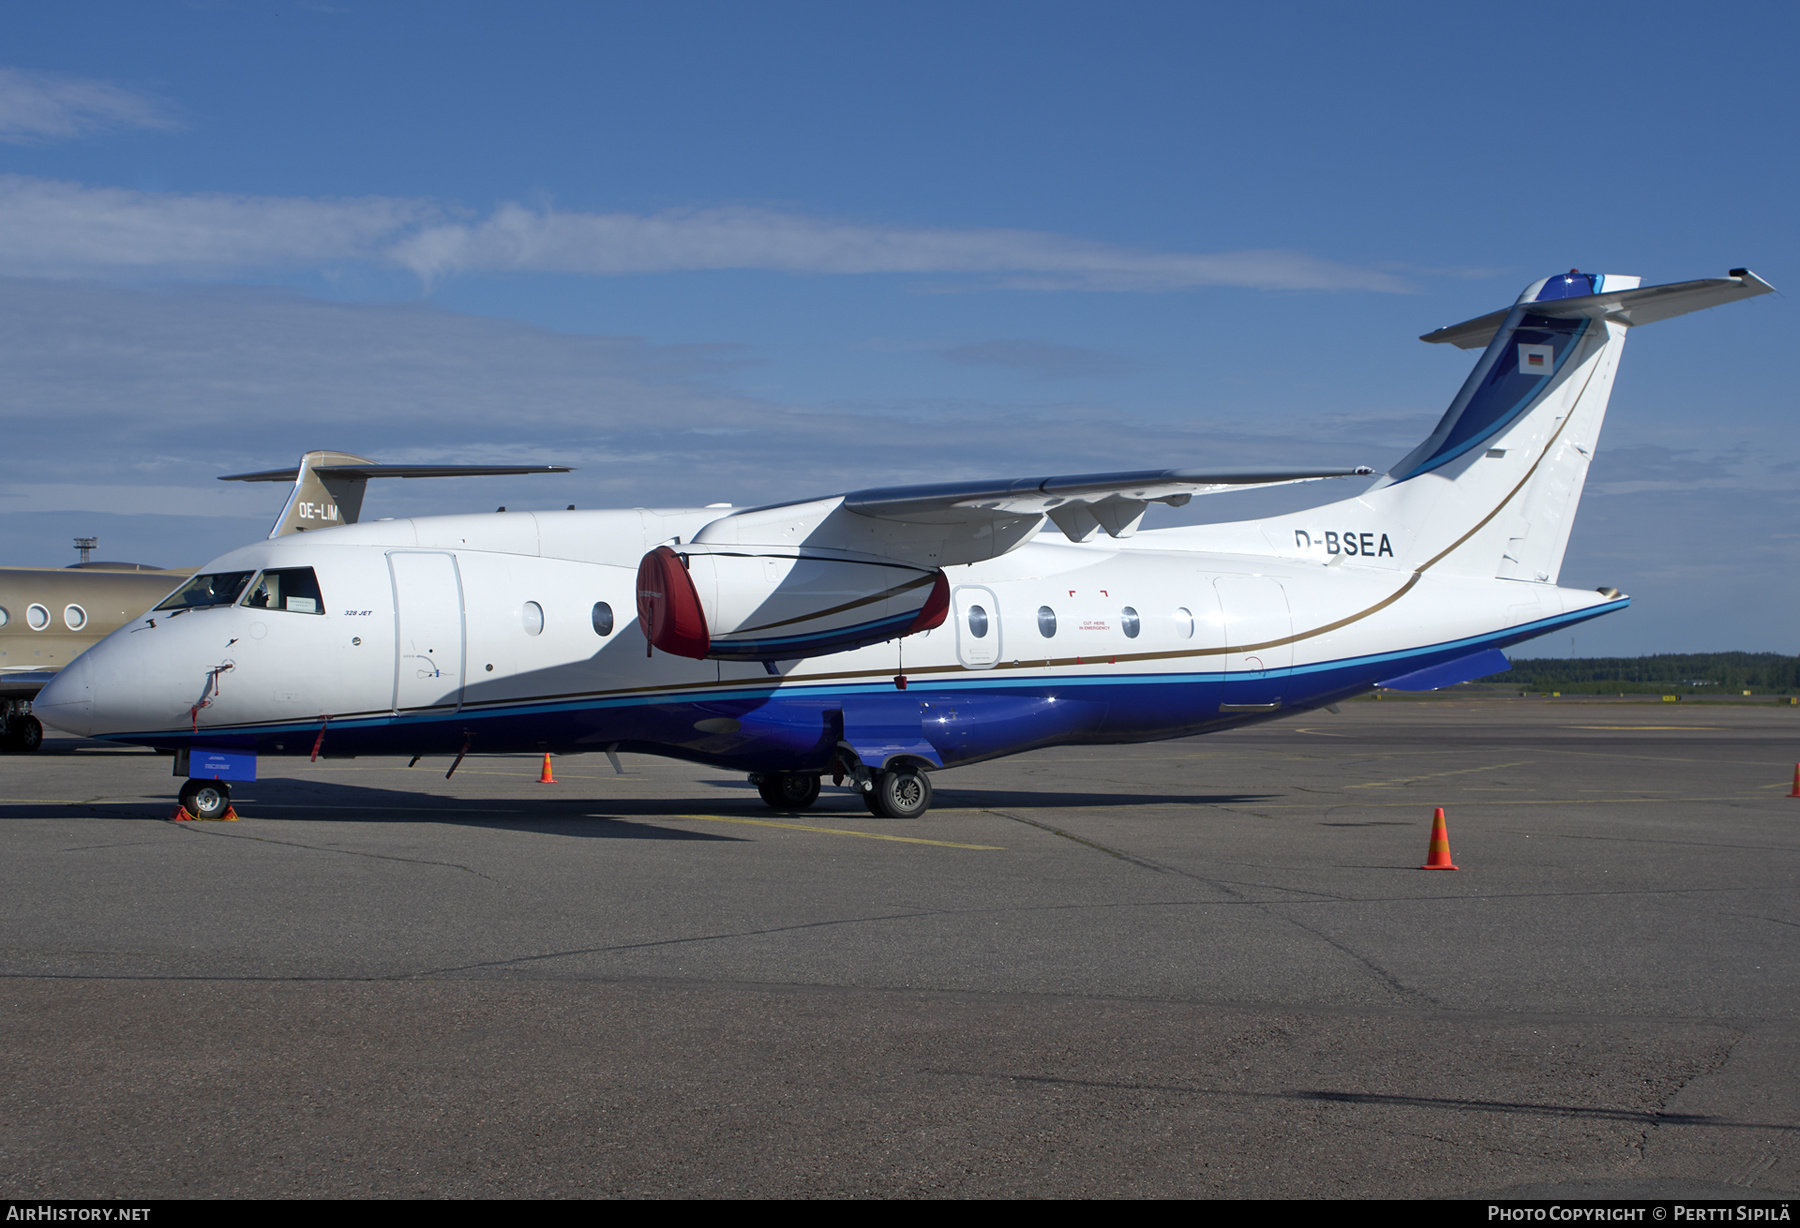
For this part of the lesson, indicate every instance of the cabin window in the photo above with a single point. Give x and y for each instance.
(533, 616)
(603, 618)
(4, 616)
(978, 621)
(1184, 622)
(205, 591)
(37, 617)
(1128, 619)
(295, 589)
(1046, 622)
(74, 617)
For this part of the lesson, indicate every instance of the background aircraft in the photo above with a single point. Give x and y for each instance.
(50, 615)
(881, 634)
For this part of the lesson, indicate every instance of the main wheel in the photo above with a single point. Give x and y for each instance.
(206, 799)
(28, 734)
(788, 791)
(904, 793)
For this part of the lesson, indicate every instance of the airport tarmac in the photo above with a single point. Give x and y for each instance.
(1199, 968)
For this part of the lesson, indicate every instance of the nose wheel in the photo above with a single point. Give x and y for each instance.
(206, 799)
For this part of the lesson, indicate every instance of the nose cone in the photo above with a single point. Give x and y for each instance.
(68, 702)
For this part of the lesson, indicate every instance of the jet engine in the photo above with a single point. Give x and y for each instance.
(743, 603)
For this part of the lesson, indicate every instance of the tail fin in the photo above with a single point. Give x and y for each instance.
(328, 486)
(1493, 490)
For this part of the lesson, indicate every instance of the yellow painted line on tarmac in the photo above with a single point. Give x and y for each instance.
(838, 831)
(1692, 728)
(1402, 781)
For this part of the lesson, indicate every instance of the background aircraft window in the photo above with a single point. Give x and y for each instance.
(1128, 618)
(603, 620)
(977, 621)
(74, 617)
(1184, 622)
(534, 618)
(287, 588)
(219, 588)
(1046, 621)
(37, 616)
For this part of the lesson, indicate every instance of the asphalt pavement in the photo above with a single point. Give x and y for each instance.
(1209, 967)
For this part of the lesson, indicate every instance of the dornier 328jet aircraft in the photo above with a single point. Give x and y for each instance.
(878, 635)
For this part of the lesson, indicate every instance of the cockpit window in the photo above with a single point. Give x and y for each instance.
(288, 588)
(218, 588)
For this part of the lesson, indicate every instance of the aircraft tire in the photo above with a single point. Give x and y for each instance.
(27, 735)
(206, 799)
(788, 791)
(904, 793)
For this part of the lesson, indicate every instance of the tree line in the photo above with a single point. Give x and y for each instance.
(1765, 673)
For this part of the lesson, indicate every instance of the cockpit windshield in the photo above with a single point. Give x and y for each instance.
(288, 588)
(206, 590)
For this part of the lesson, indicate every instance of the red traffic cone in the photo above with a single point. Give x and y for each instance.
(1796, 792)
(1438, 856)
(546, 778)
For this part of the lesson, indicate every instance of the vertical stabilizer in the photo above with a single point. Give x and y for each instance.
(1493, 490)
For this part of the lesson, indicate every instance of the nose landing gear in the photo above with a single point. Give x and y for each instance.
(205, 799)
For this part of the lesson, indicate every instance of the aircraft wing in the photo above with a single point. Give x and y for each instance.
(946, 523)
(1078, 503)
(1644, 305)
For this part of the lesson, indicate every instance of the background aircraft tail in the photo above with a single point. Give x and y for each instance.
(328, 486)
(1494, 489)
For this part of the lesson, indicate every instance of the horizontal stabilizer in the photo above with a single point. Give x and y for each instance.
(396, 471)
(328, 486)
(1645, 305)
(1463, 669)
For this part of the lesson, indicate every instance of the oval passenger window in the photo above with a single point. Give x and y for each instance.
(37, 616)
(534, 618)
(1046, 621)
(1184, 622)
(4, 616)
(1128, 618)
(603, 620)
(977, 621)
(74, 617)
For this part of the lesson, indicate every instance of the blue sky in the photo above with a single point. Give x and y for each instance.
(751, 252)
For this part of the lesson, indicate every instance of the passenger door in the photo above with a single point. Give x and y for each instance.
(429, 652)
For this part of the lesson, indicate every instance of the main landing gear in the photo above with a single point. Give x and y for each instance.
(206, 799)
(787, 790)
(902, 793)
(18, 729)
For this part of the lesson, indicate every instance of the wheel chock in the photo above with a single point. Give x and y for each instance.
(180, 815)
(1437, 856)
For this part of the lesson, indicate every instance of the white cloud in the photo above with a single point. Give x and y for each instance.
(39, 106)
(54, 229)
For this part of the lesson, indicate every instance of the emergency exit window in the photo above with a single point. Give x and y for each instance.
(295, 589)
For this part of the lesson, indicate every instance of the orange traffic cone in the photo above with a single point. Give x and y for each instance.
(1438, 856)
(546, 778)
(1796, 792)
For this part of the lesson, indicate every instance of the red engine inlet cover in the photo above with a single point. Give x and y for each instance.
(669, 608)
